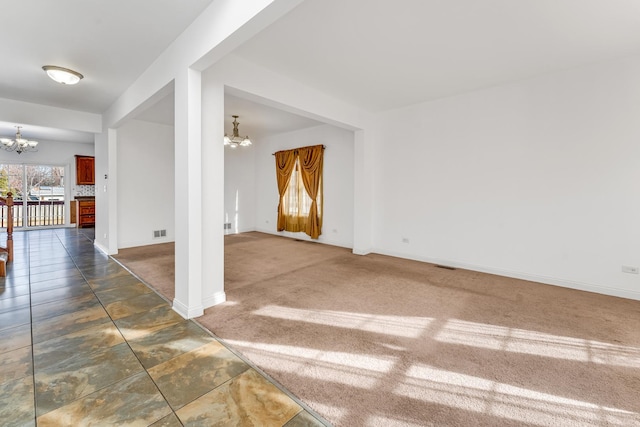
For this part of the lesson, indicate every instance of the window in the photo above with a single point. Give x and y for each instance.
(297, 202)
(299, 174)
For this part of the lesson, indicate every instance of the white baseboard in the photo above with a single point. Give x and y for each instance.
(215, 299)
(137, 243)
(187, 312)
(361, 251)
(101, 248)
(197, 311)
(244, 230)
(302, 236)
(554, 281)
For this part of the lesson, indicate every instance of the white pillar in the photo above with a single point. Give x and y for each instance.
(363, 193)
(213, 193)
(188, 194)
(107, 185)
(106, 235)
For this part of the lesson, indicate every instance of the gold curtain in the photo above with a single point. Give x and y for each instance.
(299, 176)
(311, 160)
(285, 161)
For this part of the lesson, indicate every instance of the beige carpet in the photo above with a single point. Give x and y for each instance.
(154, 264)
(380, 341)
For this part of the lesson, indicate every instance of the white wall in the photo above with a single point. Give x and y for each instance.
(54, 153)
(145, 185)
(538, 179)
(337, 228)
(50, 153)
(240, 189)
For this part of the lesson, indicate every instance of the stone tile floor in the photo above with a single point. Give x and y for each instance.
(83, 342)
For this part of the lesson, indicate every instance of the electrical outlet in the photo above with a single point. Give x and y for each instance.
(405, 240)
(630, 270)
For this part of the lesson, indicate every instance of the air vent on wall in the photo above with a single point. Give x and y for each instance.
(159, 233)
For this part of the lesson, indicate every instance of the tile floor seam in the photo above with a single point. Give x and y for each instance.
(207, 392)
(33, 362)
(146, 371)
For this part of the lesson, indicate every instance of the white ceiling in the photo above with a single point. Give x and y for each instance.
(376, 55)
(381, 55)
(260, 121)
(110, 42)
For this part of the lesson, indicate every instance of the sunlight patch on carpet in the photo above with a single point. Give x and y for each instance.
(358, 370)
(379, 420)
(537, 343)
(338, 414)
(403, 326)
(505, 401)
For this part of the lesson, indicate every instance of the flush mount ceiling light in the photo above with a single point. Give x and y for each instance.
(236, 139)
(19, 144)
(63, 75)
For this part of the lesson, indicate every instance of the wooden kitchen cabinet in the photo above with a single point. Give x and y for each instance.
(85, 170)
(73, 215)
(86, 213)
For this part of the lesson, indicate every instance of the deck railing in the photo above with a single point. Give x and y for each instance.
(37, 213)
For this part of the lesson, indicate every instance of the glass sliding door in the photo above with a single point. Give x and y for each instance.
(11, 180)
(38, 192)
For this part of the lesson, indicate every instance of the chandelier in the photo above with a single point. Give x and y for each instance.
(19, 144)
(236, 139)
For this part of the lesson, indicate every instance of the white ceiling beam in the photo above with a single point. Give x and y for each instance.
(218, 30)
(21, 112)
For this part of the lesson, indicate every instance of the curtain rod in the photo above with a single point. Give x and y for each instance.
(324, 147)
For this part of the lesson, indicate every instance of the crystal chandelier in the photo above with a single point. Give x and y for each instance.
(236, 139)
(19, 144)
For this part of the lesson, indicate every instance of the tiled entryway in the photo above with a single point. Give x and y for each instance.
(83, 342)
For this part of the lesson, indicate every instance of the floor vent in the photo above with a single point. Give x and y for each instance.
(446, 267)
(159, 233)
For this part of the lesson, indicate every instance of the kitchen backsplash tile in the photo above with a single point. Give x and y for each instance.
(85, 190)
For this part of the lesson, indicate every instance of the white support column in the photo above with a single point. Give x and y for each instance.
(106, 235)
(188, 194)
(108, 185)
(363, 193)
(213, 194)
